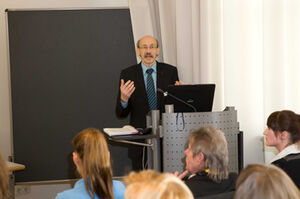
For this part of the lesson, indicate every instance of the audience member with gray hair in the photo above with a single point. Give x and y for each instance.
(207, 161)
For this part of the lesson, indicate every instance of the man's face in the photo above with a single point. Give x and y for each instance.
(148, 50)
(193, 163)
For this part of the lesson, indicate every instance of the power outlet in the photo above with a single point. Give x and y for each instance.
(22, 190)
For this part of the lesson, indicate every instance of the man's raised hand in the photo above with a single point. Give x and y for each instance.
(126, 90)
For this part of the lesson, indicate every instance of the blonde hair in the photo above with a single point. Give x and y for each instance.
(95, 167)
(153, 185)
(4, 179)
(265, 181)
(212, 143)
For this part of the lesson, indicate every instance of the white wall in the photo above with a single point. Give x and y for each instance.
(243, 72)
(5, 99)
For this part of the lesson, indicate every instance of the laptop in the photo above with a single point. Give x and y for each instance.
(191, 98)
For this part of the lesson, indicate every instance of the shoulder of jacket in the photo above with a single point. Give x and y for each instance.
(295, 156)
(131, 68)
(162, 64)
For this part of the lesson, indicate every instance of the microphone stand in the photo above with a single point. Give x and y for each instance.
(165, 93)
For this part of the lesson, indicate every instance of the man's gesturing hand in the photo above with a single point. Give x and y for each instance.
(126, 90)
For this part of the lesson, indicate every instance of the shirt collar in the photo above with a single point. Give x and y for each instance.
(291, 149)
(144, 67)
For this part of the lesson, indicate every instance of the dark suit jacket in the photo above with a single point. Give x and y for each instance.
(201, 185)
(138, 103)
(225, 195)
(290, 164)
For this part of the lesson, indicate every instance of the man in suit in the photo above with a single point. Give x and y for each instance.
(137, 96)
(133, 98)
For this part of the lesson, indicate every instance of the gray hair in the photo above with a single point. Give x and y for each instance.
(212, 143)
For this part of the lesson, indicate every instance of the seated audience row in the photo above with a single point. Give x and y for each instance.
(206, 168)
(206, 162)
(206, 159)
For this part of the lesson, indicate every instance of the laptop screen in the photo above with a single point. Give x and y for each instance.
(200, 96)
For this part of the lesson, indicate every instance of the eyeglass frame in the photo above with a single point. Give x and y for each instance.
(148, 47)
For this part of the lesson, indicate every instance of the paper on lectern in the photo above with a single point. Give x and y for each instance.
(125, 130)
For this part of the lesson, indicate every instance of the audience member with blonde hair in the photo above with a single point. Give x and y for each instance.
(283, 132)
(92, 159)
(149, 184)
(4, 179)
(207, 161)
(265, 181)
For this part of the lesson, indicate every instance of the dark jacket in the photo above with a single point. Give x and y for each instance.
(202, 185)
(138, 103)
(291, 165)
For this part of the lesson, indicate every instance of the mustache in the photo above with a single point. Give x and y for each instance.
(148, 54)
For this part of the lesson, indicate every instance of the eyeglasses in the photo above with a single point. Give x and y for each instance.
(147, 47)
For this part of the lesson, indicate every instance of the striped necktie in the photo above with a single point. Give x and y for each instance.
(150, 90)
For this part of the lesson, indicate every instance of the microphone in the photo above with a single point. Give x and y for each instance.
(165, 93)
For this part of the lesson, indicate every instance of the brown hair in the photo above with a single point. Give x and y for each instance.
(4, 179)
(265, 181)
(95, 167)
(212, 143)
(150, 184)
(285, 120)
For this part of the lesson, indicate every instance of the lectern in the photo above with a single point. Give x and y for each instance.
(174, 132)
(176, 129)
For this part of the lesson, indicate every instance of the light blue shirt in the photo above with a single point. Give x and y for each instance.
(154, 76)
(79, 191)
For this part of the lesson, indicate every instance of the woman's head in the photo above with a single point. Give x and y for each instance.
(4, 180)
(91, 147)
(265, 181)
(283, 128)
(92, 159)
(153, 185)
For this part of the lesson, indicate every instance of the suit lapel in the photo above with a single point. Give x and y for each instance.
(159, 84)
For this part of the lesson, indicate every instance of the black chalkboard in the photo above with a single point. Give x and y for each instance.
(65, 67)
